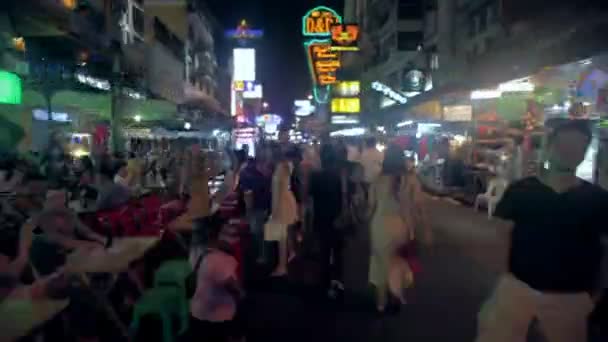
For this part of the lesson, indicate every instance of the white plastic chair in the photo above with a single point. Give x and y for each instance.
(493, 194)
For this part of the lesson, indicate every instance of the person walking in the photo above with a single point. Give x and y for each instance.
(284, 211)
(325, 192)
(555, 223)
(371, 160)
(395, 200)
(254, 185)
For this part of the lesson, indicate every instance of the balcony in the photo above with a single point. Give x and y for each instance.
(201, 36)
(165, 72)
(168, 39)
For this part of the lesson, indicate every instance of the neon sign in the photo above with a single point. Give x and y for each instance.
(10, 88)
(388, 92)
(244, 32)
(344, 37)
(322, 62)
(319, 20)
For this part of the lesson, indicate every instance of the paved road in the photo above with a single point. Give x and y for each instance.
(458, 274)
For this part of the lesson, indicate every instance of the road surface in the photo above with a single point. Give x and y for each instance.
(458, 275)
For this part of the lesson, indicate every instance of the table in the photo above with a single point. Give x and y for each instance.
(112, 260)
(19, 316)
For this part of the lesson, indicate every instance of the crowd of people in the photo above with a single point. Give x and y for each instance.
(298, 202)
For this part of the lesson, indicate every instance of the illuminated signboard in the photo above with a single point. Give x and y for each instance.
(344, 119)
(345, 105)
(322, 62)
(319, 20)
(344, 37)
(243, 64)
(389, 92)
(252, 91)
(10, 88)
(458, 113)
(238, 85)
(244, 32)
(303, 107)
(347, 89)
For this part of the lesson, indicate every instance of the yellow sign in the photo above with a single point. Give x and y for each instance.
(239, 85)
(319, 20)
(345, 105)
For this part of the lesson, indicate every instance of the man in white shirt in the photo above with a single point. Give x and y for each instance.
(371, 160)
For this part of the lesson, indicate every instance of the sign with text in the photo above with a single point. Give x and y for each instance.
(347, 89)
(323, 63)
(345, 105)
(319, 20)
(344, 37)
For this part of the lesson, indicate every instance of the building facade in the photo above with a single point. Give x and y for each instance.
(107, 60)
(392, 39)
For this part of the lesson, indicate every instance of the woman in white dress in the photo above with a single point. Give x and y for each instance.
(284, 212)
(395, 201)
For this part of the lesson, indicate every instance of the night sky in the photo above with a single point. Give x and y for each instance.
(281, 60)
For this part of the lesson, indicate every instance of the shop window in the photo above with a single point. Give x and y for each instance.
(409, 41)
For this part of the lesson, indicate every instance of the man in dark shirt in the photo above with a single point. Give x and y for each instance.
(255, 186)
(325, 191)
(555, 252)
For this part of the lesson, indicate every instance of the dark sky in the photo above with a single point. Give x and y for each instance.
(281, 59)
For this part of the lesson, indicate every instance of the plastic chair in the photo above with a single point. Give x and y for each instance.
(165, 303)
(493, 194)
(173, 273)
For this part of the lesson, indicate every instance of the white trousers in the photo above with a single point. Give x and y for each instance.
(507, 315)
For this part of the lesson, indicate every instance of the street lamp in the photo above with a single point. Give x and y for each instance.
(310, 97)
(187, 125)
(137, 118)
(265, 105)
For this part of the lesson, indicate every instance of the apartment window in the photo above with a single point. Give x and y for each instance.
(138, 20)
(409, 41)
(409, 9)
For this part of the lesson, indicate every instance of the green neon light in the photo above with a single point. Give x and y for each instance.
(315, 91)
(319, 8)
(317, 96)
(307, 45)
(10, 88)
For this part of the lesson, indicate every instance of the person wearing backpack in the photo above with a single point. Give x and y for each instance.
(217, 291)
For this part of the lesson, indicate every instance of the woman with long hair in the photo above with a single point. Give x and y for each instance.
(395, 201)
(284, 210)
